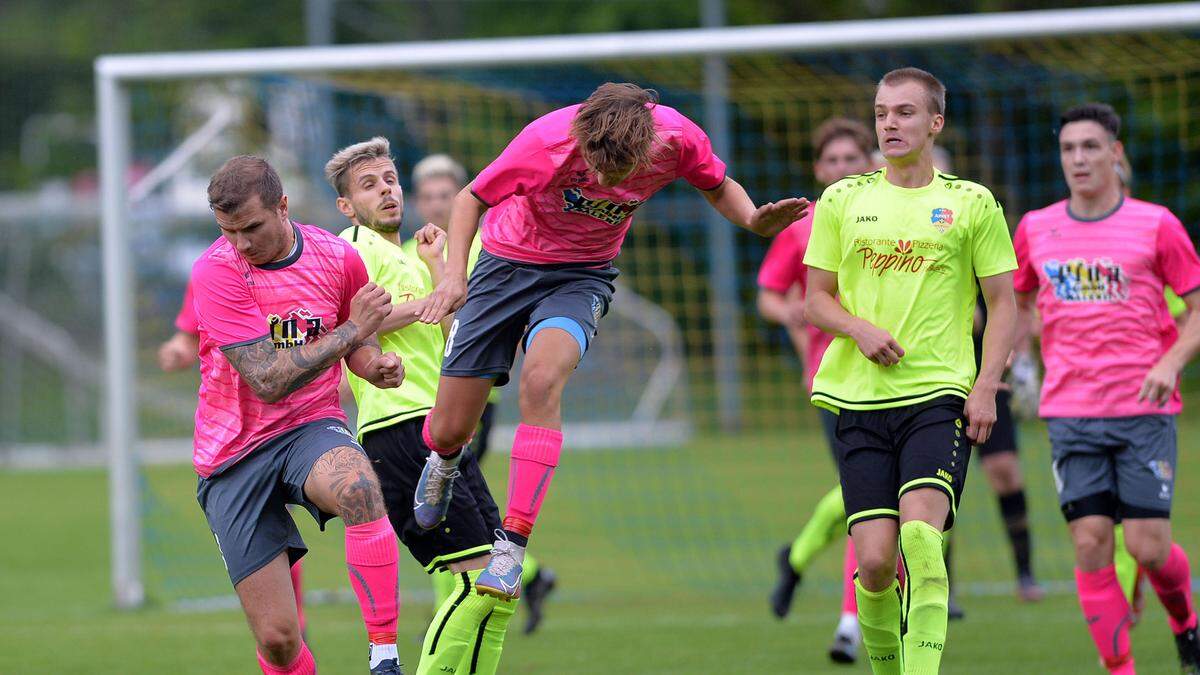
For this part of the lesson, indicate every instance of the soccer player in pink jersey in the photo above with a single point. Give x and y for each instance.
(278, 305)
(1095, 265)
(842, 147)
(559, 200)
(181, 351)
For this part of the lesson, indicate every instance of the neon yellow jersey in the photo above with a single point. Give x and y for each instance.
(410, 247)
(906, 261)
(419, 345)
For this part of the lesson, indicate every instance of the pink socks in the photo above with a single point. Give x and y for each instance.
(303, 664)
(371, 557)
(1173, 584)
(1106, 612)
(534, 455)
(849, 567)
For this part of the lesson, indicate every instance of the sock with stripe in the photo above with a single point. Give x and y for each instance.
(849, 567)
(826, 524)
(458, 627)
(879, 620)
(1106, 612)
(371, 559)
(535, 455)
(443, 586)
(926, 594)
(484, 657)
(1173, 584)
(303, 664)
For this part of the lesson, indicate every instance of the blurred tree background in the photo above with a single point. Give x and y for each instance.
(47, 47)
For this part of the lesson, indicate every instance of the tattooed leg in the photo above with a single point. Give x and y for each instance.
(342, 482)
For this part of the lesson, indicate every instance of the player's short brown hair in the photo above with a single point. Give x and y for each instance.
(841, 127)
(615, 127)
(1100, 113)
(933, 86)
(337, 169)
(241, 178)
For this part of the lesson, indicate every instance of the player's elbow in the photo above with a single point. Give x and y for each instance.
(266, 391)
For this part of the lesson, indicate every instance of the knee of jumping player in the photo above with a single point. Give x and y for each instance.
(1093, 544)
(541, 391)
(279, 641)
(876, 566)
(1149, 546)
(447, 432)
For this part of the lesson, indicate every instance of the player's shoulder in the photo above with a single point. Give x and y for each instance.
(970, 189)
(220, 254)
(1044, 217)
(849, 187)
(322, 241)
(1143, 209)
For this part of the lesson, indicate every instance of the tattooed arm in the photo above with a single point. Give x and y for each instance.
(275, 373)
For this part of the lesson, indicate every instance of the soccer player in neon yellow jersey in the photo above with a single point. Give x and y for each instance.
(467, 633)
(436, 179)
(904, 247)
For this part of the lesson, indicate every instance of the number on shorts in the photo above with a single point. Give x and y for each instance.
(450, 339)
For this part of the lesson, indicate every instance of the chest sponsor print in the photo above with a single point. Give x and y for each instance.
(1078, 280)
(605, 210)
(299, 327)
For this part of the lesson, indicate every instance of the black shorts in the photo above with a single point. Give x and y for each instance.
(507, 299)
(1004, 432)
(246, 502)
(398, 455)
(884, 453)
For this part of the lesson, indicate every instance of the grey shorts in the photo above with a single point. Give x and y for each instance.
(1120, 467)
(246, 502)
(508, 301)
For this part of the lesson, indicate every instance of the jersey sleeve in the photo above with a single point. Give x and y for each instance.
(780, 269)
(225, 309)
(1176, 256)
(991, 248)
(355, 278)
(1025, 279)
(524, 167)
(185, 320)
(698, 164)
(824, 244)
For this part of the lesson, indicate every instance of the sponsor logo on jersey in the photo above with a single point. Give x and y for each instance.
(604, 210)
(903, 256)
(942, 219)
(1079, 280)
(297, 328)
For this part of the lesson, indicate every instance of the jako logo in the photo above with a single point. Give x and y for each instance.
(904, 247)
(945, 475)
(889, 657)
(867, 219)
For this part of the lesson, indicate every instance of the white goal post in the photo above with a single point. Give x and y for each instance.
(114, 74)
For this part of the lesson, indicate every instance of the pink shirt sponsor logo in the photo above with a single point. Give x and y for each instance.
(783, 268)
(291, 302)
(547, 207)
(1099, 291)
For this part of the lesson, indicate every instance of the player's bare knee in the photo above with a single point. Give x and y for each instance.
(540, 389)
(449, 433)
(279, 641)
(1093, 547)
(1149, 549)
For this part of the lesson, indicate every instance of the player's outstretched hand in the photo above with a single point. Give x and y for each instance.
(368, 308)
(877, 344)
(385, 371)
(449, 295)
(431, 243)
(770, 218)
(178, 353)
(980, 411)
(1159, 384)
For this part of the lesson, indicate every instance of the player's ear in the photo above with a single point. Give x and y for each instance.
(1118, 150)
(282, 208)
(937, 123)
(343, 207)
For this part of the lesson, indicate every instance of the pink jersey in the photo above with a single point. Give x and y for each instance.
(782, 268)
(185, 320)
(1100, 294)
(292, 302)
(546, 206)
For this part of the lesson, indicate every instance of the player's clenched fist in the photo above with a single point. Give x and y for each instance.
(385, 371)
(877, 344)
(431, 243)
(446, 298)
(368, 308)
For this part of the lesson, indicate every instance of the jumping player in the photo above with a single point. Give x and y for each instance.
(559, 201)
(278, 305)
(894, 259)
(1096, 264)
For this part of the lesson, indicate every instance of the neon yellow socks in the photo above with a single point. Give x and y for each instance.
(879, 619)
(926, 593)
(467, 633)
(826, 525)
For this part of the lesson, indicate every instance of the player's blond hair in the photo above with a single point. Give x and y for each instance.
(615, 127)
(439, 165)
(933, 86)
(337, 169)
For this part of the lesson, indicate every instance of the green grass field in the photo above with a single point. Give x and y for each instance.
(663, 555)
